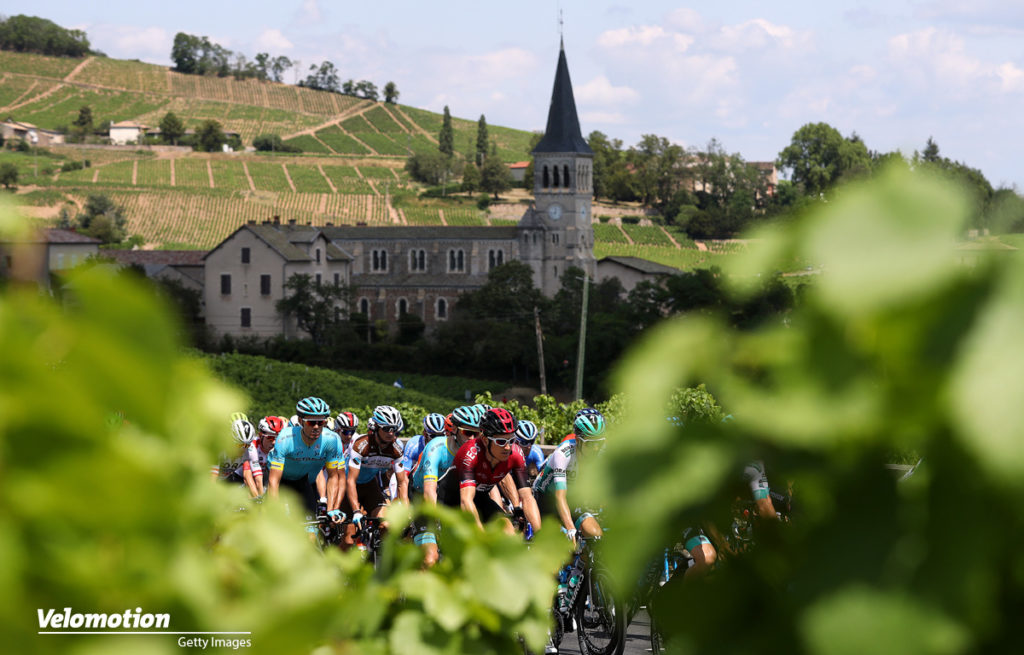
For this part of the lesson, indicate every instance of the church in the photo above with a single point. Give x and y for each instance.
(414, 269)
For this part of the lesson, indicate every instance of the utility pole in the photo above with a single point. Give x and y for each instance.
(583, 338)
(540, 351)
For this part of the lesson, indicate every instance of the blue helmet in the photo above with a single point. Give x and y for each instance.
(589, 424)
(312, 407)
(526, 433)
(433, 425)
(466, 417)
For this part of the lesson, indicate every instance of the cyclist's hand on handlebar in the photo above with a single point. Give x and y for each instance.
(336, 515)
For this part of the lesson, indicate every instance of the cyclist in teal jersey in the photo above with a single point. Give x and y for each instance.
(433, 426)
(551, 486)
(300, 452)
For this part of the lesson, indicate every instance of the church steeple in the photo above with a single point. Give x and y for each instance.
(563, 131)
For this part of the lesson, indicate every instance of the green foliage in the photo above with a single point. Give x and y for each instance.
(446, 137)
(9, 175)
(171, 128)
(210, 137)
(819, 157)
(896, 346)
(495, 177)
(391, 93)
(103, 219)
(33, 34)
(481, 141)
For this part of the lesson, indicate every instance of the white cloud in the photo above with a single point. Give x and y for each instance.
(1012, 77)
(686, 20)
(152, 44)
(644, 36)
(309, 13)
(600, 91)
(273, 40)
(758, 34)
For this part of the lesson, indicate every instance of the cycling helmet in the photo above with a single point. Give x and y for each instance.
(589, 424)
(239, 416)
(449, 426)
(271, 425)
(498, 421)
(294, 420)
(433, 425)
(312, 407)
(386, 416)
(466, 417)
(346, 421)
(526, 433)
(243, 432)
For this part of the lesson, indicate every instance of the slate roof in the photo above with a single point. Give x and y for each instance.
(563, 130)
(432, 232)
(642, 265)
(282, 239)
(55, 235)
(158, 257)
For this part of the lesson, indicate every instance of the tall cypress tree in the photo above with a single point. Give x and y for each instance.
(446, 139)
(481, 140)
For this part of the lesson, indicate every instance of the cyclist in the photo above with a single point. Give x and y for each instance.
(302, 451)
(485, 461)
(243, 466)
(551, 486)
(433, 426)
(526, 437)
(373, 457)
(269, 428)
(346, 424)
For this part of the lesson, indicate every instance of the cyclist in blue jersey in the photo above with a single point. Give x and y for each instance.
(301, 451)
(526, 436)
(436, 478)
(433, 426)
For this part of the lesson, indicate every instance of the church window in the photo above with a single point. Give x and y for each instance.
(403, 307)
(379, 261)
(554, 238)
(418, 260)
(495, 258)
(547, 182)
(456, 261)
(556, 178)
(565, 179)
(364, 307)
(442, 309)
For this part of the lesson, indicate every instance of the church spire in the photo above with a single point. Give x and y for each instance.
(563, 130)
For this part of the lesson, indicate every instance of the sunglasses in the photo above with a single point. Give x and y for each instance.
(502, 441)
(387, 428)
(314, 423)
(470, 432)
(348, 433)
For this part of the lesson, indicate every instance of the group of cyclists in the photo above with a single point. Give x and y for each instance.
(478, 458)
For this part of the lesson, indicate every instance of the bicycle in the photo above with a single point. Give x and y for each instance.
(600, 617)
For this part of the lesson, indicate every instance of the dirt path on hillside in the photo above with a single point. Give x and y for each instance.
(402, 125)
(135, 172)
(57, 85)
(440, 212)
(336, 120)
(701, 246)
(419, 129)
(674, 242)
(209, 171)
(326, 179)
(624, 233)
(288, 176)
(77, 69)
(374, 187)
(252, 185)
(172, 171)
(357, 140)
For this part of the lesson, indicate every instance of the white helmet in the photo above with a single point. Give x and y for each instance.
(294, 420)
(243, 432)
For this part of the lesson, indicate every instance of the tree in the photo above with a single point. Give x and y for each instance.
(931, 151)
(273, 143)
(9, 176)
(82, 125)
(279, 65)
(470, 178)
(102, 219)
(313, 306)
(429, 167)
(819, 156)
(171, 128)
(446, 139)
(495, 176)
(367, 89)
(481, 140)
(33, 34)
(184, 53)
(391, 93)
(262, 65)
(210, 137)
(324, 77)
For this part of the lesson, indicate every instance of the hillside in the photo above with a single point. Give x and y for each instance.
(351, 170)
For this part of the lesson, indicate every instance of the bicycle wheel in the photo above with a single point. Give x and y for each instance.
(657, 643)
(600, 618)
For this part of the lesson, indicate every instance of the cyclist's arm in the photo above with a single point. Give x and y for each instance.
(530, 509)
(430, 491)
(508, 487)
(335, 488)
(350, 489)
(562, 506)
(250, 481)
(467, 497)
(274, 481)
(403, 485)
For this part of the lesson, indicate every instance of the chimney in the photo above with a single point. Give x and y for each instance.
(291, 221)
(251, 221)
(328, 224)
(277, 219)
(360, 223)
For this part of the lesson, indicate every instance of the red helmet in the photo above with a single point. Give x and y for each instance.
(449, 427)
(271, 425)
(498, 421)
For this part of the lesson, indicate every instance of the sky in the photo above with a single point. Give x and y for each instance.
(746, 73)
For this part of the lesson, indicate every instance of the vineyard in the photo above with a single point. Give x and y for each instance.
(609, 233)
(647, 234)
(681, 258)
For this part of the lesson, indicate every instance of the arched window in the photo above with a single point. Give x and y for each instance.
(364, 306)
(547, 182)
(403, 306)
(442, 309)
(462, 261)
(565, 180)
(556, 178)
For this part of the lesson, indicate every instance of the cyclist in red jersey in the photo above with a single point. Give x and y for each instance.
(485, 461)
